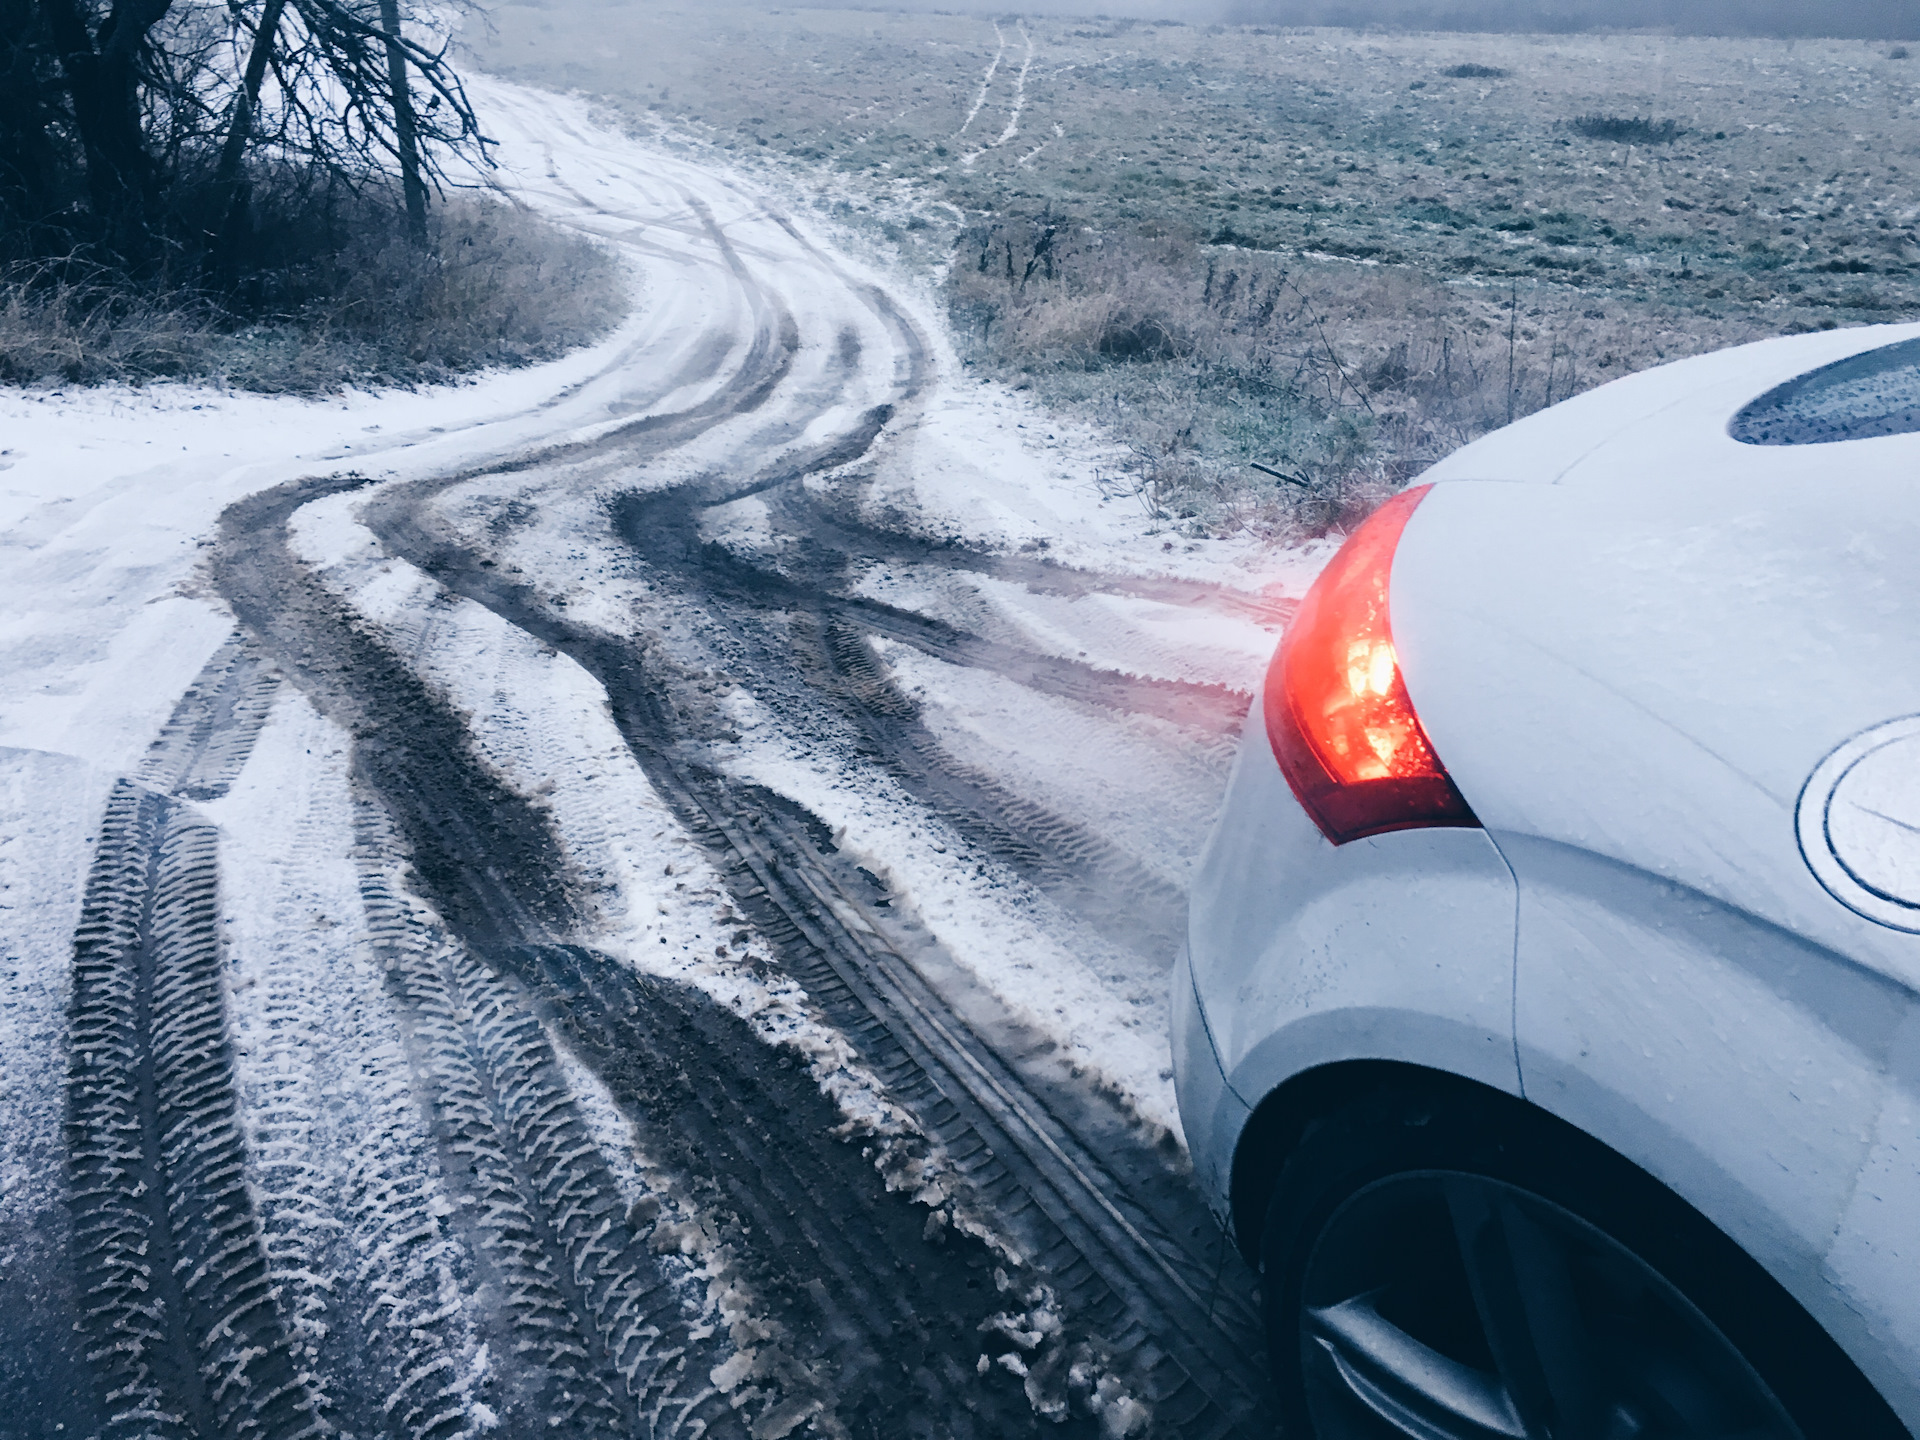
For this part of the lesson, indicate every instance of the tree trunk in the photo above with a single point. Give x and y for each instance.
(411, 184)
(104, 83)
(230, 179)
(28, 161)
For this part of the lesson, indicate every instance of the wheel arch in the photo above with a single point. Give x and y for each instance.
(1811, 1360)
(1281, 1118)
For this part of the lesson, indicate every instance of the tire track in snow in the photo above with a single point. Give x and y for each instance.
(403, 518)
(1013, 111)
(765, 362)
(1081, 869)
(189, 1334)
(1132, 1287)
(657, 526)
(986, 81)
(858, 537)
(581, 1292)
(1131, 1290)
(776, 1213)
(1019, 94)
(188, 1337)
(206, 740)
(584, 1301)
(351, 1201)
(831, 654)
(1088, 874)
(1122, 1270)
(476, 973)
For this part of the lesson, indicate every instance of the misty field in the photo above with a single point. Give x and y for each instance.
(1338, 254)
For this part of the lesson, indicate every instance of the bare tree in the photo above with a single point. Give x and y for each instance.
(230, 175)
(406, 132)
(335, 86)
(105, 57)
(348, 78)
(31, 122)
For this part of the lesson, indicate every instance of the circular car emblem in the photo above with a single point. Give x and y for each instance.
(1859, 823)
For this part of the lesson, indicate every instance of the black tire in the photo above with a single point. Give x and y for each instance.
(1467, 1264)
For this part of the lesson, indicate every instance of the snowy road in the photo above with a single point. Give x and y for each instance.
(652, 916)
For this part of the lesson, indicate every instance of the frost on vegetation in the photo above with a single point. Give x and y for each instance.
(496, 285)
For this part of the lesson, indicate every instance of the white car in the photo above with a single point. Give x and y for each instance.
(1549, 1032)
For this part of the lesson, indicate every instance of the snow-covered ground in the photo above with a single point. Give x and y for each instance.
(1022, 644)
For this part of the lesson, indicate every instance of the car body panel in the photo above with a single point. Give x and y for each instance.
(1631, 640)
(1549, 445)
(1631, 673)
(1211, 1113)
(1651, 669)
(1400, 946)
(1751, 1072)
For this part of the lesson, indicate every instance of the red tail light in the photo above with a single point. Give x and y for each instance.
(1337, 710)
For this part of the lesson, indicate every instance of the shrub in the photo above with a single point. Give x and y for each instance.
(332, 294)
(1202, 361)
(1626, 129)
(1436, 212)
(1471, 71)
(68, 320)
(1227, 235)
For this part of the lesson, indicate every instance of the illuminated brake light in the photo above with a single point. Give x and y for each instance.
(1338, 715)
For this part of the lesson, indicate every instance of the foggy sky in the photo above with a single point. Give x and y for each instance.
(1855, 19)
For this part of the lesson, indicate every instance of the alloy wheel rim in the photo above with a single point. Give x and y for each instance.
(1444, 1305)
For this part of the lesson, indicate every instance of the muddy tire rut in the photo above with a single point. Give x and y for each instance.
(1018, 1256)
(464, 963)
(179, 1311)
(1168, 1305)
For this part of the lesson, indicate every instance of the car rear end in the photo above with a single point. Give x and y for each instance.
(1624, 640)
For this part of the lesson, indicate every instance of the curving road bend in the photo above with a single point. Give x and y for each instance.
(662, 930)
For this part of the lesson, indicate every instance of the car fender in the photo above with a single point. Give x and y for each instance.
(1772, 1083)
(1399, 946)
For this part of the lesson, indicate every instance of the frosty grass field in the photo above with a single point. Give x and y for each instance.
(1339, 253)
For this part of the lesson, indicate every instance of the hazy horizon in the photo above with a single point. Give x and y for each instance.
(1784, 19)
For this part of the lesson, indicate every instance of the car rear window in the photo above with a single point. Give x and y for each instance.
(1874, 393)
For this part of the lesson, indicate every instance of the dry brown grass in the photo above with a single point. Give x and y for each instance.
(356, 305)
(66, 321)
(1347, 378)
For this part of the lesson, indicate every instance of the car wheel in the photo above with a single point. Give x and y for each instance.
(1456, 1268)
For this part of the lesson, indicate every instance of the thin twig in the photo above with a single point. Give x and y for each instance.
(1315, 314)
(1281, 475)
